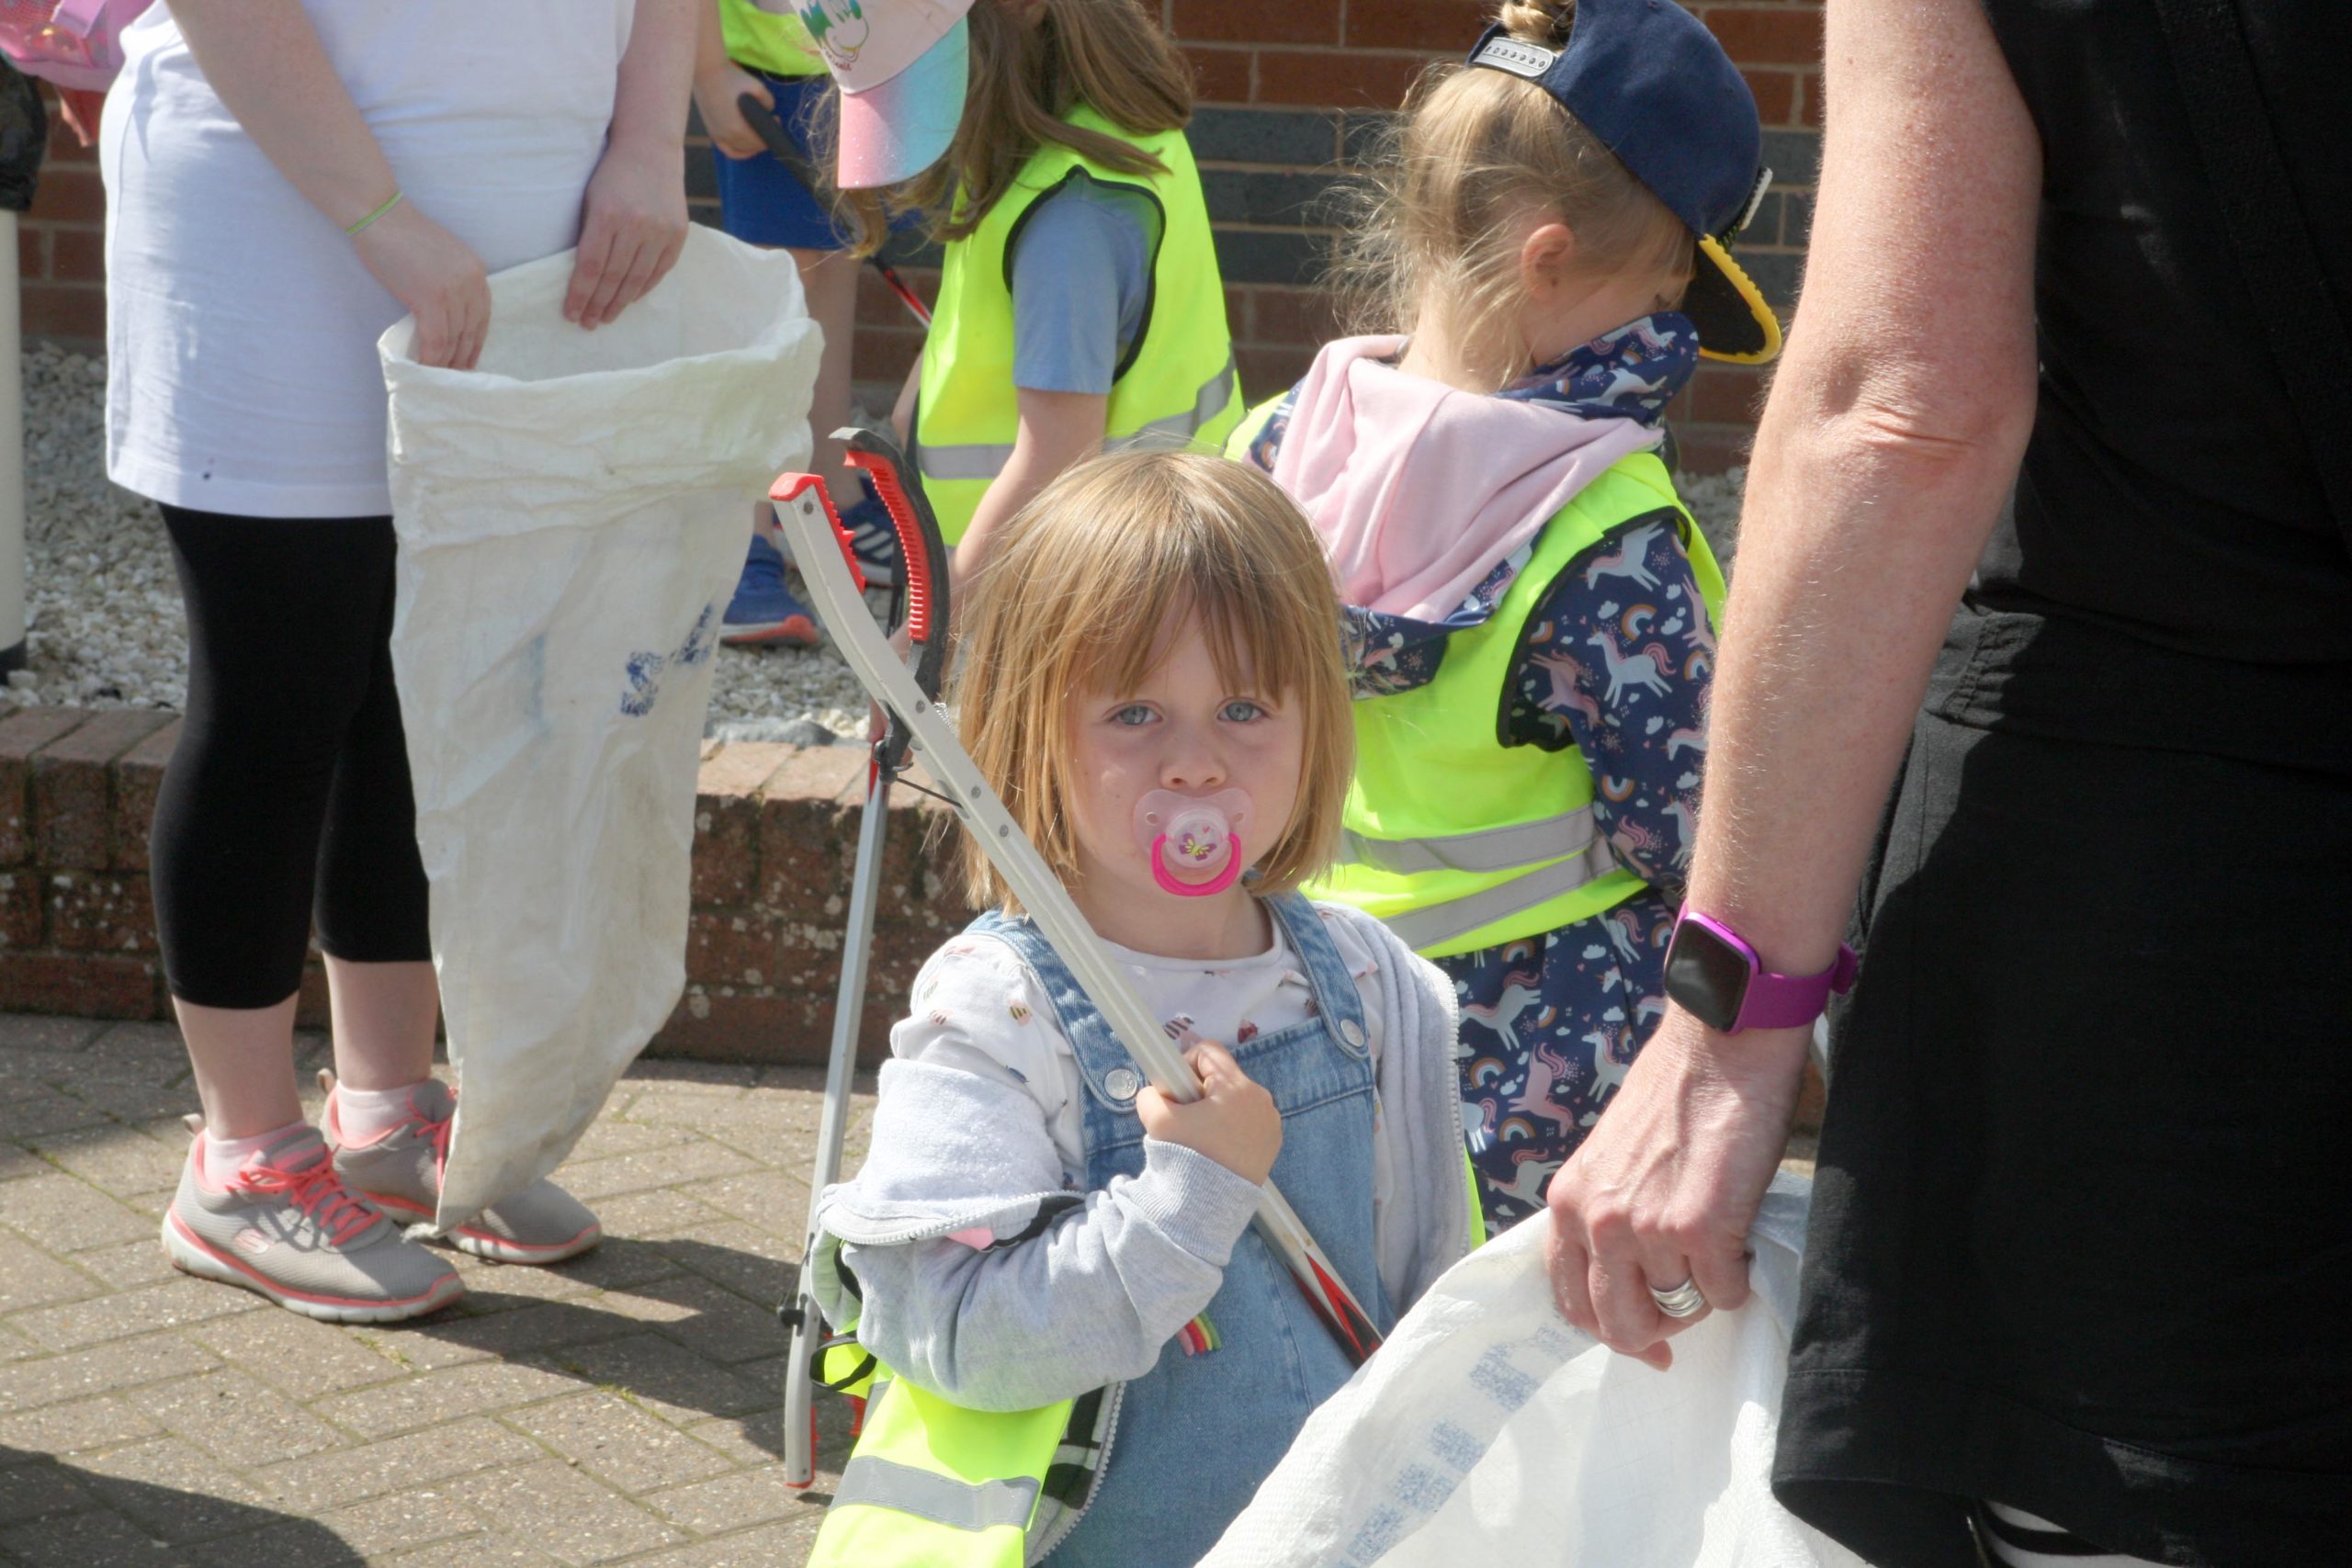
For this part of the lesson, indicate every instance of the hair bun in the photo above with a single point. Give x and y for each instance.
(1544, 22)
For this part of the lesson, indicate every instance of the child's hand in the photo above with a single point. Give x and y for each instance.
(1234, 1122)
(715, 90)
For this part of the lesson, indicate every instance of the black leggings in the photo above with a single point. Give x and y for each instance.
(288, 800)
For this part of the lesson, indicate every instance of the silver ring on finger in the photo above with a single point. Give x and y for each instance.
(1682, 1301)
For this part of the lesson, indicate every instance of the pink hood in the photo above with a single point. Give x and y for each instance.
(1419, 489)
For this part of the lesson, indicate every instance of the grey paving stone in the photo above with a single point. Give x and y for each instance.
(176, 1491)
(763, 1546)
(610, 1135)
(73, 1427)
(85, 1374)
(718, 1325)
(759, 1264)
(620, 1444)
(655, 1215)
(512, 1284)
(31, 1277)
(441, 1396)
(181, 1300)
(402, 1521)
(16, 1160)
(478, 1551)
(67, 1213)
(534, 1328)
(727, 1502)
(118, 1159)
(654, 1167)
(422, 1459)
(44, 1110)
(561, 1511)
(618, 1262)
(127, 1264)
(296, 1355)
(773, 1200)
(666, 1377)
(98, 1539)
(39, 1490)
(27, 1032)
(288, 1543)
(237, 1413)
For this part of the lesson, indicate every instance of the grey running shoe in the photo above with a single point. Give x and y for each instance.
(289, 1228)
(401, 1173)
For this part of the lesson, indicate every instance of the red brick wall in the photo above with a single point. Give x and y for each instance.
(1285, 88)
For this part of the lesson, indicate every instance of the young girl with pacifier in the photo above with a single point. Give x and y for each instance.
(1531, 612)
(1153, 683)
(1080, 306)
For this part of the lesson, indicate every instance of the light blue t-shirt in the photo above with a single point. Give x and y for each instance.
(1081, 274)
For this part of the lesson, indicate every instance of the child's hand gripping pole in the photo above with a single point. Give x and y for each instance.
(830, 571)
(921, 608)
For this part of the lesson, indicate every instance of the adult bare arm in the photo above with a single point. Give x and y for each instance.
(633, 216)
(264, 59)
(1892, 434)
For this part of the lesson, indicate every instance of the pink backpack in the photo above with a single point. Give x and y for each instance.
(73, 44)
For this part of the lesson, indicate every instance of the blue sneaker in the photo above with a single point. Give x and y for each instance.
(874, 540)
(764, 609)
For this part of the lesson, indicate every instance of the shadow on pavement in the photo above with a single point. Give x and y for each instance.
(64, 1515)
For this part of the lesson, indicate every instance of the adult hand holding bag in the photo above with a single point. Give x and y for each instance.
(572, 517)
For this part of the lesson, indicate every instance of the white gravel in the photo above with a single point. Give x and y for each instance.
(104, 626)
(103, 607)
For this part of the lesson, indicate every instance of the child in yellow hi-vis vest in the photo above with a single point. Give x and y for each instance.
(1531, 611)
(1108, 1359)
(1079, 304)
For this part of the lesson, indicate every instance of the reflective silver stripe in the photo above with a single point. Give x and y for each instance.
(1178, 429)
(986, 459)
(942, 1499)
(1490, 849)
(971, 460)
(1434, 924)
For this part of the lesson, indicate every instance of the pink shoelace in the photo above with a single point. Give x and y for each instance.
(316, 1190)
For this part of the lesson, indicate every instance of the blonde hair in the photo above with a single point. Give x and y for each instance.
(1108, 54)
(1441, 216)
(1080, 593)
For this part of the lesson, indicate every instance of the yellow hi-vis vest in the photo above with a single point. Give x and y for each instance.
(1175, 386)
(768, 35)
(1453, 840)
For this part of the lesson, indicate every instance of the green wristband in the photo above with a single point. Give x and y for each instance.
(354, 231)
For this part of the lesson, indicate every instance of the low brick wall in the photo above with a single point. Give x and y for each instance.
(776, 833)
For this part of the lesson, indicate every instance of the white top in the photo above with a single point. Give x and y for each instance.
(241, 374)
(977, 1008)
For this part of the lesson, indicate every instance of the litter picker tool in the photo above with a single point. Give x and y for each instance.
(762, 120)
(830, 573)
(920, 604)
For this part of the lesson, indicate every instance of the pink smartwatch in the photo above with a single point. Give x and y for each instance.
(1714, 974)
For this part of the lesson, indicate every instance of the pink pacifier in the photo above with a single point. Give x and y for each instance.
(1193, 837)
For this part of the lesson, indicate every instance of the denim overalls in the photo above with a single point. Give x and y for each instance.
(1196, 1434)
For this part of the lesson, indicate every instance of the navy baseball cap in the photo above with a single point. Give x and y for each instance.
(1649, 80)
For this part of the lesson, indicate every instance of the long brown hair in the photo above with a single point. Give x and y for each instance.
(1107, 54)
(1438, 219)
(1080, 593)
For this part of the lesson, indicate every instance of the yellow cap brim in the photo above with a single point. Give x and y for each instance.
(1734, 323)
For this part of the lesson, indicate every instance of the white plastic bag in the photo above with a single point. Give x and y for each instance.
(573, 516)
(1487, 1430)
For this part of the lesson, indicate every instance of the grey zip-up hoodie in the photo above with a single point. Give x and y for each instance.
(1093, 1298)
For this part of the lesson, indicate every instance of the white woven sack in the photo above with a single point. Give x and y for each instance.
(573, 516)
(1487, 1430)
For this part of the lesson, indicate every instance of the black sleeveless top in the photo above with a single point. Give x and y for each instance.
(2167, 492)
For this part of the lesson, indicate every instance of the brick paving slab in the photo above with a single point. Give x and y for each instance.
(623, 1407)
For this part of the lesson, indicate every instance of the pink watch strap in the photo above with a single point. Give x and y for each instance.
(1784, 1001)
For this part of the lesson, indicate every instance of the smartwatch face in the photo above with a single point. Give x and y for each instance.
(1706, 975)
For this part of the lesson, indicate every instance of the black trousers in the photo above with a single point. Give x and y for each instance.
(288, 800)
(2079, 1240)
